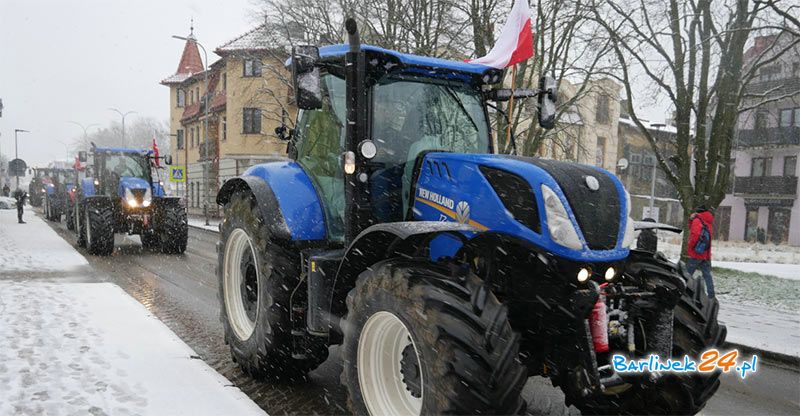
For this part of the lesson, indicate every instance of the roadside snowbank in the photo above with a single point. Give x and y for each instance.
(735, 251)
(34, 246)
(784, 271)
(760, 327)
(89, 348)
(199, 222)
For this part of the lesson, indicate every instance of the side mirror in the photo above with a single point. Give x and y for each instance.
(305, 77)
(82, 157)
(547, 102)
(168, 159)
(283, 132)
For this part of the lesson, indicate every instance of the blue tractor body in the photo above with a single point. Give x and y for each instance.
(121, 195)
(393, 203)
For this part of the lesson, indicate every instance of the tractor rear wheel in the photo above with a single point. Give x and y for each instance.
(69, 218)
(173, 231)
(99, 221)
(80, 224)
(695, 329)
(417, 342)
(256, 279)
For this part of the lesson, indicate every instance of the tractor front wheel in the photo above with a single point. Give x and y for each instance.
(99, 223)
(256, 279)
(173, 231)
(418, 342)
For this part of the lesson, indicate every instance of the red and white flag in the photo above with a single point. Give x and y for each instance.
(77, 165)
(515, 43)
(155, 153)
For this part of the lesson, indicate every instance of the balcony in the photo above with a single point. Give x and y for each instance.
(767, 186)
(774, 136)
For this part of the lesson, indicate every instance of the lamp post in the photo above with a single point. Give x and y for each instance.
(85, 130)
(123, 115)
(205, 122)
(16, 148)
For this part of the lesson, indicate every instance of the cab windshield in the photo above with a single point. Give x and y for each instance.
(127, 164)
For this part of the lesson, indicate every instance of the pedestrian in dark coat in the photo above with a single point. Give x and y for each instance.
(648, 240)
(20, 196)
(6, 190)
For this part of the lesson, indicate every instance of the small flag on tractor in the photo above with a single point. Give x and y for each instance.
(77, 165)
(155, 153)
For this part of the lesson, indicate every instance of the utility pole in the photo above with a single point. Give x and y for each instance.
(206, 160)
(123, 115)
(16, 148)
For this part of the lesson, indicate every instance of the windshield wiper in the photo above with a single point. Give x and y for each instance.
(461, 106)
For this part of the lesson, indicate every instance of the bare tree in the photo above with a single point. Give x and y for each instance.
(690, 52)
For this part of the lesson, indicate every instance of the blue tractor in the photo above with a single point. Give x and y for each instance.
(120, 195)
(56, 193)
(448, 274)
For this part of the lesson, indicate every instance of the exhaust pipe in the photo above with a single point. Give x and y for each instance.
(353, 39)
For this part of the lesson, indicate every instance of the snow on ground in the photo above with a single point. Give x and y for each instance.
(784, 271)
(762, 328)
(89, 348)
(735, 251)
(200, 222)
(34, 246)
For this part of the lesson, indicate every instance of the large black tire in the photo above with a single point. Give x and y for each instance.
(69, 217)
(80, 225)
(173, 231)
(274, 271)
(99, 229)
(695, 329)
(150, 240)
(467, 353)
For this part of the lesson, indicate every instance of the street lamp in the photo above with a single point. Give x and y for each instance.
(123, 115)
(16, 148)
(85, 130)
(66, 149)
(205, 121)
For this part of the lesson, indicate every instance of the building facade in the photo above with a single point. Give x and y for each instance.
(762, 202)
(242, 98)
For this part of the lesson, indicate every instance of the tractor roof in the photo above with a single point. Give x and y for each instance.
(121, 150)
(420, 65)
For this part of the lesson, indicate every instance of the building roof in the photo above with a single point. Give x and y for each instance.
(255, 39)
(189, 64)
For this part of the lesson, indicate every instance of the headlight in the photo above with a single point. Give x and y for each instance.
(561, 229)
(96, 182)
(610, 273)
(131, 200)
(584, 274)
(148, 198)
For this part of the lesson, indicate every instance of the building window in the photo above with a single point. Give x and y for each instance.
(251, 121)
(180, 97)
(790, 166)
(224, 81)
(197, 93)
(795, 69)
(252, 67)
(224, 128)
(751, 224)
(761, 120)
(602, 116)
(179, 139)
(762, 166)
(786, 117)
(191, 137)
(797, 117)
(191, 97)
(600, 152)
(770, 72)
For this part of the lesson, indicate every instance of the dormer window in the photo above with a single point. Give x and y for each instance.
(252, 67)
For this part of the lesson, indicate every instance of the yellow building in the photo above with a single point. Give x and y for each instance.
(247, 98)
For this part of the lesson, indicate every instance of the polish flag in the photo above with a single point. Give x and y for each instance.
(155, 153)
(77, 164)
(515, 43)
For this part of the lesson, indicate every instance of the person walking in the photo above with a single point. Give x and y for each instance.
(648, 239)
(20, 196)
(701, 228)
(6, 190)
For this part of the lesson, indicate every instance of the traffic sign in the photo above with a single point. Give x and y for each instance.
(177, 173)
(17, 167)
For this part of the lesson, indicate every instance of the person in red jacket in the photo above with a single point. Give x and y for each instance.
(702, 259)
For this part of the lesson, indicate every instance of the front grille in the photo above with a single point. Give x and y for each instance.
(597, 212)
(138, 195)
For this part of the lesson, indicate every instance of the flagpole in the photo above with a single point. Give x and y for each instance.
(511, 109)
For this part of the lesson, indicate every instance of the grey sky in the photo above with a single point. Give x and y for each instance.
(71, 60)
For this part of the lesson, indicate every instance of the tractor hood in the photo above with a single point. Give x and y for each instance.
(575, 211)
(132, 183)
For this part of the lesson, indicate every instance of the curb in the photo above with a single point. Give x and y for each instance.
(767, 355)
(203, 228)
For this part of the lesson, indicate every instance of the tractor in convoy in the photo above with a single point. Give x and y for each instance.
(120, 195)
(55, 195)
(449, 274)
(36, 187)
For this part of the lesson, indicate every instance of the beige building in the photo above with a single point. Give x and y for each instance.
(247, 99)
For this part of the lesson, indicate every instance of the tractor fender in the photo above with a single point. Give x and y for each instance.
(286, 197)
(387, 240)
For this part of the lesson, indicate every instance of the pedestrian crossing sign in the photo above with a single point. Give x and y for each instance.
(177, 173)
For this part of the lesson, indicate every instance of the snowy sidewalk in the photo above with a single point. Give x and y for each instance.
(200, 222)
(72, 346)
(761, 328)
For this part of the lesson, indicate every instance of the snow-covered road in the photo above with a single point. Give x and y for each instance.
(78, 346)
